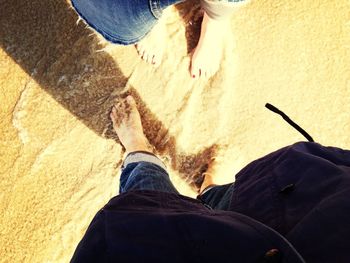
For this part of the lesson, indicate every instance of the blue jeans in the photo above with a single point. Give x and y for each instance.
(149, 176)
(122, 21)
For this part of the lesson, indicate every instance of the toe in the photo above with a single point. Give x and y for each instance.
(194, 71)
(199, 73)
(130, 99)
(114, 114)
(140, 49)
(142, 54)
(112, 118)
(117, 106)
(205, 74)
(145, 56)
(148, 58)
(208, 73)
(154, 60)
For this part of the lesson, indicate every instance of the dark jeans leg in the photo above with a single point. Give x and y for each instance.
(219, 197)
(145, 176)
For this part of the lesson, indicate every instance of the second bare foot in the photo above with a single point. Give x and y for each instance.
(152, 47)
(207, 56)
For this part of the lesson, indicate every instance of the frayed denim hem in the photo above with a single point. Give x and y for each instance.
(108, 37)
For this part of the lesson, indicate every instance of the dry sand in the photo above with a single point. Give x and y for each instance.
(59, 160)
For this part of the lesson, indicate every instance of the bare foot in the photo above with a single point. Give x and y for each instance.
(152, 47)
(208, 53)
(209, 176)
(127, 124)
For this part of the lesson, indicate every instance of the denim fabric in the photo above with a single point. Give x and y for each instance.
(122, 21)
(142, 156)
(149, 176)
(145, 176)
(218, 197)
(220, 9)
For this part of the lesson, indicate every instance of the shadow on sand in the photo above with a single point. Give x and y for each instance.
(44, 39)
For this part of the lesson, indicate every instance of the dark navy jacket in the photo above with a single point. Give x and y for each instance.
(289, 206)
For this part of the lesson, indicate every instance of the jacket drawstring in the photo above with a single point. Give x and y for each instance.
(292, 123)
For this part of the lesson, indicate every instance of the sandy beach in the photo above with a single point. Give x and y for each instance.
(59, 157)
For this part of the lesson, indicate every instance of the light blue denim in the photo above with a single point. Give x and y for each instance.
(122, 22)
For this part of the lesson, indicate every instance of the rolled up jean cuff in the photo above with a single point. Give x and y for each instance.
(142, 156)
(220, 9)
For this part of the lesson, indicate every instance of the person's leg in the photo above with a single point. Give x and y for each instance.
(145, 176)
(151, 48)
(206, 58)
(141, 169)
(218, 197)
(207, 55)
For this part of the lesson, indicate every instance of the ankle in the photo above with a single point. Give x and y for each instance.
(137, 144)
